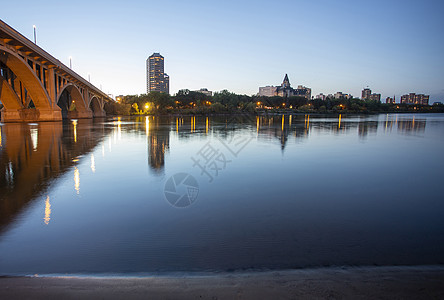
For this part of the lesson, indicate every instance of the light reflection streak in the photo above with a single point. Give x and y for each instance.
(119, 128)
(307, 121)
(34, 138)
(93, 163)
(283, 120)
(257, 124)
(193, 124)
(147, 126)
(74, 122)
(77, 180)
(339, 125)
(47, 211)
(206, 126)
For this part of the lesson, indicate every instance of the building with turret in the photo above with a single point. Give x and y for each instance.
(285, 90)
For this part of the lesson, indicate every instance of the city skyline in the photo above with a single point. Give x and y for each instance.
(330, 47)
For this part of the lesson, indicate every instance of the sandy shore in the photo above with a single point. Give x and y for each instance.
(425, 282)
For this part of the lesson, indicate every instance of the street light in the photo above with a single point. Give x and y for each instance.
(70, 62)
(35, 36)
(89, 77)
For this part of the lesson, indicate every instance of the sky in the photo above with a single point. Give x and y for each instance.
(394, 47)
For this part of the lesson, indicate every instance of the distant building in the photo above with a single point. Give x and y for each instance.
(339, 95)
(268, 91)
(285, 90)
(375, 97)
(166, 83)
(205, 91)
(367, 95)
(321, 96)
(413, 98)
(157, 79)
(303, 91)
(390, 100)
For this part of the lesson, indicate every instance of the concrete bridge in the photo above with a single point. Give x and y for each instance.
(35, 86)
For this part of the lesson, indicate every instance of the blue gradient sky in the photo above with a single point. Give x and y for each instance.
(394, 47)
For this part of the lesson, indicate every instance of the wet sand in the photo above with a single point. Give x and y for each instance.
(420, 282)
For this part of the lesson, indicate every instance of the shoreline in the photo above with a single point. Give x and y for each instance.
(275, 113)
(384, 282)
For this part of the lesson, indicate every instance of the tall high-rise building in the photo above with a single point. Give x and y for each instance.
(156, 78)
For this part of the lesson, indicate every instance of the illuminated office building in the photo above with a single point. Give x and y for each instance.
(157, 80)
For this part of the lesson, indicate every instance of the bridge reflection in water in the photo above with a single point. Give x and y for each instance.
(32, 155)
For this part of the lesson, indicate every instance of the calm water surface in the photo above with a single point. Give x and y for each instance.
(104, 197)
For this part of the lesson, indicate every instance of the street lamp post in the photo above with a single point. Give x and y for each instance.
(70, 62)
(35, 36)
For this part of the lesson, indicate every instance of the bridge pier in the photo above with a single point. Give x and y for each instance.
(99, 114)
(80, 114)
(30, 115)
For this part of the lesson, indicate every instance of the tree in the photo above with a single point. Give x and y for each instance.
(160, 100)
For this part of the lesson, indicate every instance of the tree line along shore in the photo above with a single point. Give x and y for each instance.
(196, 103)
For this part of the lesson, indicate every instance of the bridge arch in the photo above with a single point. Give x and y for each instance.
(27, 76)
(96, 107)
(71, 102)
(8, 96)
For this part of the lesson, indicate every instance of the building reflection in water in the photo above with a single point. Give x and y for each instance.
(158, 136)
(299, 126)
(32, 155)
(269, 128)
(412, 126)
(367, 127)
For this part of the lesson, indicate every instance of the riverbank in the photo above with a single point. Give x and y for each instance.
(419, 282)
(267, 113)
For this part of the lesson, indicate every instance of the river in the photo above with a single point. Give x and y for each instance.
(157, 195)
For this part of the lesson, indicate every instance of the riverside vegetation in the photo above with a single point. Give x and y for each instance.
(196, 103)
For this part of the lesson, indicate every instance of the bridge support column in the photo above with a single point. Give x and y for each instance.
(30, 115)
(99, 114)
